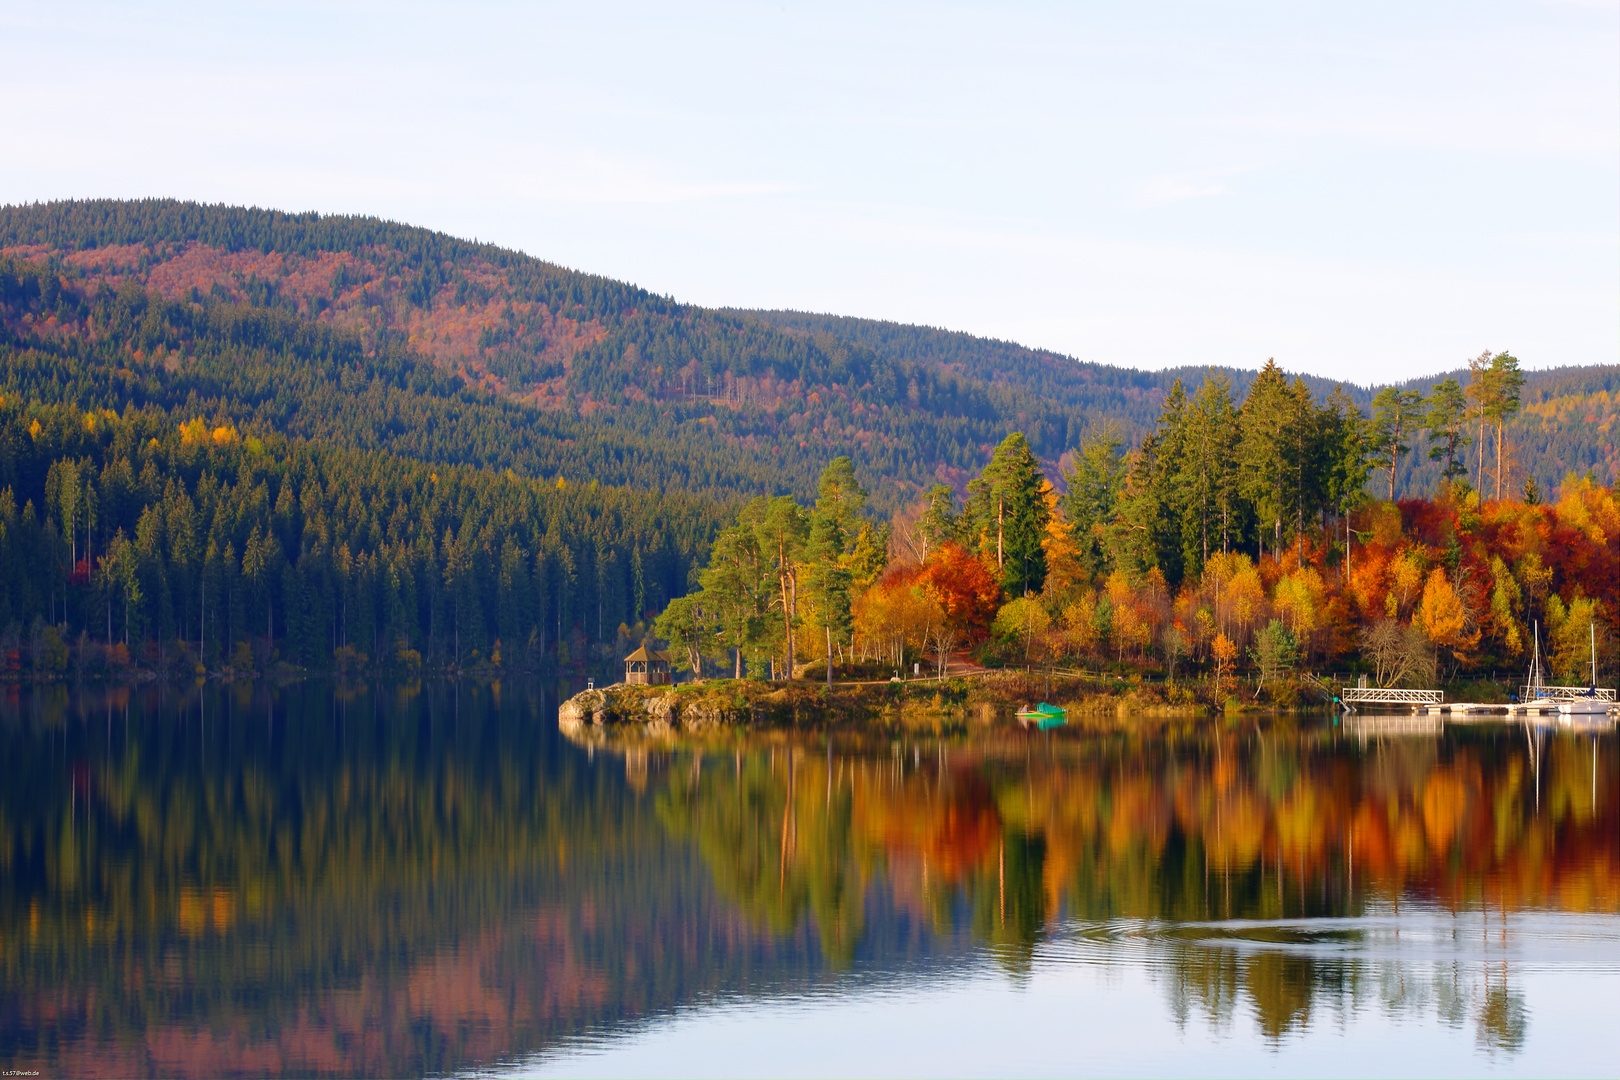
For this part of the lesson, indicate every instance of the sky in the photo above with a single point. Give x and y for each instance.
(1368, 191)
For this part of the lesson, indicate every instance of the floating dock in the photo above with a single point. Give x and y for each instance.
(1546, 700)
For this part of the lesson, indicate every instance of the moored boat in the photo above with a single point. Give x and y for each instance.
(1589, 703)
(1043, 716)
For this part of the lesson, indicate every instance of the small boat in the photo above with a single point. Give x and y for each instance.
(1589, 703)
(1043, 716)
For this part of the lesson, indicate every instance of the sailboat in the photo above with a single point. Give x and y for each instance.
(1535, 687)
(1587, 704)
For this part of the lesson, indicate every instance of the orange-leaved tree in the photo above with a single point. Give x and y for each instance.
(1443, 616)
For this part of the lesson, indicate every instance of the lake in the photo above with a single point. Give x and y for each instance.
(426, 879)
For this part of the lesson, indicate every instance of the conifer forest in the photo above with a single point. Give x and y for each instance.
(236, 440)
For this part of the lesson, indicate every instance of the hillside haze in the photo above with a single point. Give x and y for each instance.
(374, 335)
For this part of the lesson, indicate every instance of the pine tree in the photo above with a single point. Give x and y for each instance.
(1479, 393)
(1505, 387)
(1396, 414)
(738, 585)
(839, 500)
(782, 533)
(1448, 412)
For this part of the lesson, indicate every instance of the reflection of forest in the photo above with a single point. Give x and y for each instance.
(386, 884)
(1016, 839)
(422, 879)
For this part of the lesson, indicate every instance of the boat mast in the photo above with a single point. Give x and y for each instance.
(1535, 661)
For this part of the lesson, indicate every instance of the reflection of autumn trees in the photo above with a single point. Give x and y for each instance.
(777, 850)
(1249, 826)
(1005, 839)
(303, 884)
(419, 880)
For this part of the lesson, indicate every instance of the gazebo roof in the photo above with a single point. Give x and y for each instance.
(646, 655)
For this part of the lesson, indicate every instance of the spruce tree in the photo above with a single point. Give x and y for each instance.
(1095, 482)
(1009, 515)
(1211, 480)
(1163, 490)
(1344, 442)
(1264, 474)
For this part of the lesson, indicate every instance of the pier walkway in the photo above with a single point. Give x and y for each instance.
(1352, 696)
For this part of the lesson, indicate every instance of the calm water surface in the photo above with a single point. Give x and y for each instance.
(427, 879)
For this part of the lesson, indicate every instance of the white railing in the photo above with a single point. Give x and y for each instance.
(1388, 695)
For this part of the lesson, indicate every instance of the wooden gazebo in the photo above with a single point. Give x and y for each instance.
(647, 667)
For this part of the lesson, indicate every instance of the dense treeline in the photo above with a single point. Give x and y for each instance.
(748, 418)
(1127, 395)
(1241, 539)
(355, 342)
(633, 388)
(94, 347)
(427, 256)
(127, 538)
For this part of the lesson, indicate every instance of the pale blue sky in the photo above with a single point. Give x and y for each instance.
(1367, 191)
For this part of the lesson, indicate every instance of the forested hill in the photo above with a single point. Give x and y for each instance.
(1131, 395)
(379, 336)
(1568, 420)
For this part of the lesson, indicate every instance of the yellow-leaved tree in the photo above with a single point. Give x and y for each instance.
(1443, 616)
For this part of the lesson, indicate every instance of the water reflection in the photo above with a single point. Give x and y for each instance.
(1267, 871)
(409, 879)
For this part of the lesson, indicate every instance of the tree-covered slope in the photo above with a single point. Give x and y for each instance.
(385, 336)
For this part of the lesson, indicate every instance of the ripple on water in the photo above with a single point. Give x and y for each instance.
(1421, 936)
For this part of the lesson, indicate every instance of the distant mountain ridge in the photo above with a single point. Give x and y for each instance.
(497, 359)
(1567, 422)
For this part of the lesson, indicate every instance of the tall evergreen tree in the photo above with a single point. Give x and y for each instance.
(1505, 388)
(1211, 480)
(1009, 515)
(783, 531)
(1344, 442)
(1265, 474)
(738, 585)
(839, 500)
(1094, 484)
(1396, 414)
(1448, 413)
(940, 522)
(1479, 394)
(1159, 485)
(1306, 455)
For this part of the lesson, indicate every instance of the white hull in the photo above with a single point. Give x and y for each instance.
(1585, 707)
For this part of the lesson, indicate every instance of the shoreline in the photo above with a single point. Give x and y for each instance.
(622, 712)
